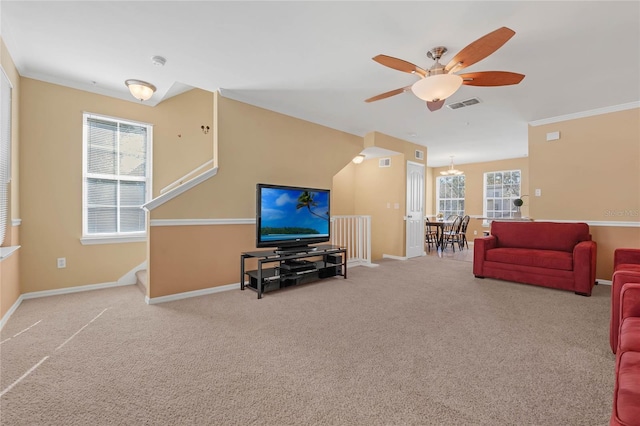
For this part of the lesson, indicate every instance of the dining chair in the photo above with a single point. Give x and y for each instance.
(452, 234)
(431, 234)
(463, 231)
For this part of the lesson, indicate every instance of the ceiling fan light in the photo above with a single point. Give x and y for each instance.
(140, 89)
(436, 87)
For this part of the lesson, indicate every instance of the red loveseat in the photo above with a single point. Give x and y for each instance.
(626, 394)
(548, 254)
(626, 268)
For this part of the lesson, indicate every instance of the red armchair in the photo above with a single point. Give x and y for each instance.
(626, 268)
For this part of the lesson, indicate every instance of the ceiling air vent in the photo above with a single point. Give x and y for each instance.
(462, 104)
(384, 162)
(419, 155)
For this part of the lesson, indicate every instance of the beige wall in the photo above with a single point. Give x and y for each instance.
(378, 191)
(474, 191)
(254, 146)
(593, 169)
(51, 177)
(9, 267)
(592, 173)
(343, 191)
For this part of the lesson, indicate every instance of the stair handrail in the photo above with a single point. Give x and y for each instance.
(183, 179)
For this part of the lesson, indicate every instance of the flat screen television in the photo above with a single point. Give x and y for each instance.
(290, 217)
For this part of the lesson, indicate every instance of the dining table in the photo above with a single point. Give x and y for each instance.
(441, 226)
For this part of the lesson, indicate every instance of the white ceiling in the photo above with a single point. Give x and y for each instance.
(312, 60)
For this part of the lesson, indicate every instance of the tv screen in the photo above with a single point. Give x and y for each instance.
(289, 216)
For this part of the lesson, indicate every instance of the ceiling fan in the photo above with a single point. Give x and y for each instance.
(440, 81)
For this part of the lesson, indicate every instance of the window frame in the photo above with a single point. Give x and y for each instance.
(119, 236)
(485, 211)
(458, 199)
(5, 151)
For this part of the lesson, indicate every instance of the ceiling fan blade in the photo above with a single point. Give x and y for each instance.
(399, 64)
(434, 106)
(491, 78)
(480, 49)
(388, 94)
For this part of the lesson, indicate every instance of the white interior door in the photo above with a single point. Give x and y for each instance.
(415, 209)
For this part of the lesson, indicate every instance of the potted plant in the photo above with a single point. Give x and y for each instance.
(518, 202)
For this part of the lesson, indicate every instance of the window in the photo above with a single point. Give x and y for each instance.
(117, 177)
(5, 151)
(500, 189)
(450, 195)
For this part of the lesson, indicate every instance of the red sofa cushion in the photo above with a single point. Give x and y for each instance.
(540, 235)
(548, 259)
(630, 334)
(628, 390)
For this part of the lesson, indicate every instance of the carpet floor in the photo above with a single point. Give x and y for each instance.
(416, 342)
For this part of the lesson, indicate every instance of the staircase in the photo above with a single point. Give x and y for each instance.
(141, 281)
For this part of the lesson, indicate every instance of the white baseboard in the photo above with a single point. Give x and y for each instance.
(11, 310)
(69, 290)
(351, 263)
(603, 282)
(127, 279)
(391, 256)
(188, 294)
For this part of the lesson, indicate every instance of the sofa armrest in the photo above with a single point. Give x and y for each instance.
(480, 247)
(625, 255)
(584, 266)
(630, 301)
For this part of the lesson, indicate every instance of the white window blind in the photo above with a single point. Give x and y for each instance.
(117, 176)
(5, 151)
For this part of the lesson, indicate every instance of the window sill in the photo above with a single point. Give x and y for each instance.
(86, 241)
(7, 251)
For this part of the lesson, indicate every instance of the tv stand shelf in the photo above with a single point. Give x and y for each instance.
(292, 267)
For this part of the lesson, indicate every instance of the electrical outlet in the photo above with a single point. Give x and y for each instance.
(475, 232)
(538, 192)
(62, 262)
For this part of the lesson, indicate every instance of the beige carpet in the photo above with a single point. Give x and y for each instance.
(419, 342)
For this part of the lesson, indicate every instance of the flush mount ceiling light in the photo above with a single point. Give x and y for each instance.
(358, 159)
(140, 89)
(452, 170)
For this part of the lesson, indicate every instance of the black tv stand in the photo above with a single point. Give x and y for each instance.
(295, 249)
(302, 265)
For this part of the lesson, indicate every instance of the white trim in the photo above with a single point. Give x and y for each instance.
(7, 251)
(390, 256)
(158, 201)
(88, 241)
(192, 222)
(603, 282)
(584, 114)
(16, 222)
(189, 294)
(10, 312)
(69, 290)
(352, 263)
(612, 223)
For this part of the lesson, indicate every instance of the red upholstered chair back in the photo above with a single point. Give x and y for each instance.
(540, 235)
